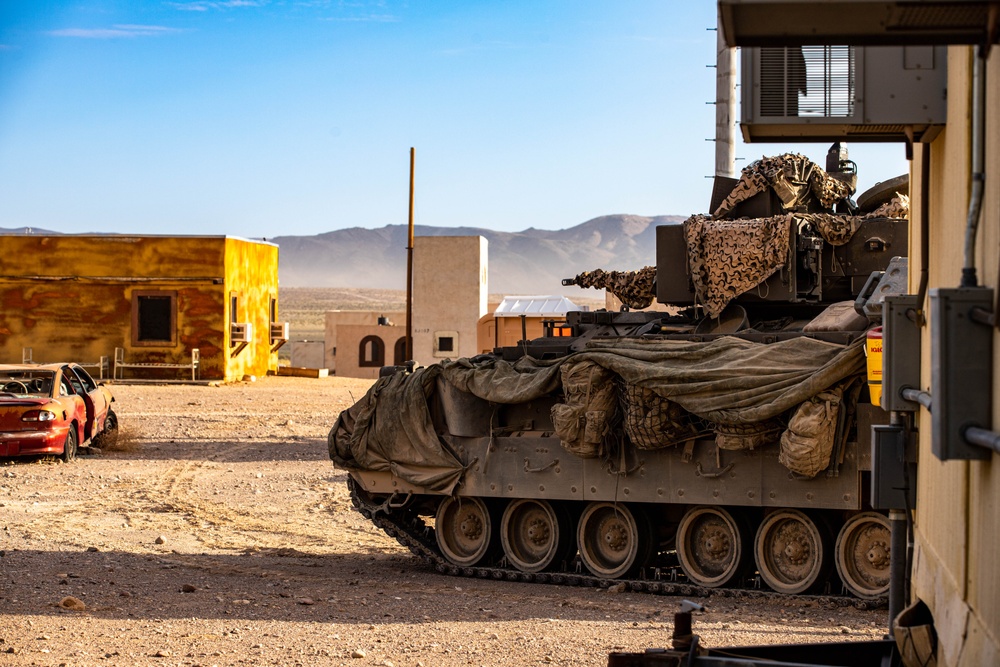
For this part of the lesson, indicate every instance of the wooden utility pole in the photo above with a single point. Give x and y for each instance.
(409, 268)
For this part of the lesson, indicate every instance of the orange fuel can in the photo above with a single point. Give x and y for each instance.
(873, 351)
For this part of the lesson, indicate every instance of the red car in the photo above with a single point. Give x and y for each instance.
(52, 409)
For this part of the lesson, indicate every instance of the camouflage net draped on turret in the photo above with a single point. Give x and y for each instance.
(727, 258)
(635, 289)
(793, 177)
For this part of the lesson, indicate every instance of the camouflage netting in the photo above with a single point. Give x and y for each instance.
(635, 289)
(728, 258)
(793, 177)
(730, 383)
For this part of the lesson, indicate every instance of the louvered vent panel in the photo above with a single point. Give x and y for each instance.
(807, 82)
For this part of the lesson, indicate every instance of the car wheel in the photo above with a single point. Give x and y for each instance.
(69, 447)
(109, 435)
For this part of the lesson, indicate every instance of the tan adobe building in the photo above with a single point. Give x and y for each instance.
(957, 527)
(161, 301)
(354, 340)
(944, 387)
(449, 298)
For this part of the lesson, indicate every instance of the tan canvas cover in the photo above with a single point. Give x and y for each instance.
(726, 381)
(808, 442)
(390, 429)
(583, 421)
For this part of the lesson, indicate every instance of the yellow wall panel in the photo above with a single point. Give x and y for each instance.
(70, 298)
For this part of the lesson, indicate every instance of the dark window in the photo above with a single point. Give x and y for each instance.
(73, 380)
(234, 307)
(446, 344)
(89, 384)
(273, 310)
(399, 352)
(371, 352)
(154, 318)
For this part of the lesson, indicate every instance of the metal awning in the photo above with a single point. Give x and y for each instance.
(858, 22)
(535, 306)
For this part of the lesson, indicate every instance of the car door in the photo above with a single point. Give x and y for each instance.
(100, 397)
(74, 405)
(94, 408)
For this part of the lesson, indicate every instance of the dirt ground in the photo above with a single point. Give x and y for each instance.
(221, 535)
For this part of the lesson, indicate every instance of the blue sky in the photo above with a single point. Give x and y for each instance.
(263, 118)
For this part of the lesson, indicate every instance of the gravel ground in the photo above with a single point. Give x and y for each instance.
(220, 534)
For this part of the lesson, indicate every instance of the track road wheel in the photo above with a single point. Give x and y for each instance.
(863, 555)
(713, 546)
(69, 447)
(535, 534)
(614, 540)
(792, 552)
(464, 530)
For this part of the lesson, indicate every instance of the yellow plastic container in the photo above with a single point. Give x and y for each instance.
(873, 351)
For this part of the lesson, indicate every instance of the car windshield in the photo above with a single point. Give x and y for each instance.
(26, 382)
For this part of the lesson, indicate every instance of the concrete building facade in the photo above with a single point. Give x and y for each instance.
(449, 296)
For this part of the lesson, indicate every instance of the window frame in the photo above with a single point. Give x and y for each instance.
(378, 352)
(159, 342)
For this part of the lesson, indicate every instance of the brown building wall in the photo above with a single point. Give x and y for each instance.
(71, 298)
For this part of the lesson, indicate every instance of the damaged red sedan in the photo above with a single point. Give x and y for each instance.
(52, 409)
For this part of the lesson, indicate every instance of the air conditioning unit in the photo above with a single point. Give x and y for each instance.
(279, 331)
(241, 332)
(853, 93)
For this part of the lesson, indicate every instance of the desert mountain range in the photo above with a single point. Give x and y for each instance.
(533, 261)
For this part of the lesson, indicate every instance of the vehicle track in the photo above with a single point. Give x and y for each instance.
(419, 539)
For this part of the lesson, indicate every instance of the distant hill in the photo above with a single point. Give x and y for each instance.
(532, 261)
(27, 230)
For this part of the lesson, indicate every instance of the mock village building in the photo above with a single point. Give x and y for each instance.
(161, 302)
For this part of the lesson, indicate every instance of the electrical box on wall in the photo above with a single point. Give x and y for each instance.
(900, 352)
(894, 478)
(961, 371)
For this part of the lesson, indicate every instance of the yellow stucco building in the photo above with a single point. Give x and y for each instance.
(957, 527)
(950, 340)
(157, 298)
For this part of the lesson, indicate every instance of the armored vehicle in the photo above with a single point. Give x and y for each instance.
(721, 442)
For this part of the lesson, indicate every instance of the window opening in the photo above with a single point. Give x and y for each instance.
(154, 318)
(371, 352)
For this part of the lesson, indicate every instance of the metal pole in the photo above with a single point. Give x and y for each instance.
(725, 107)
(409, 267)
(897, 565)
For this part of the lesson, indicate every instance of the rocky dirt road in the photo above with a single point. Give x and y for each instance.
(222, 535)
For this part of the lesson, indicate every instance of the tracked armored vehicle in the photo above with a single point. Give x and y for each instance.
(721, 443)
